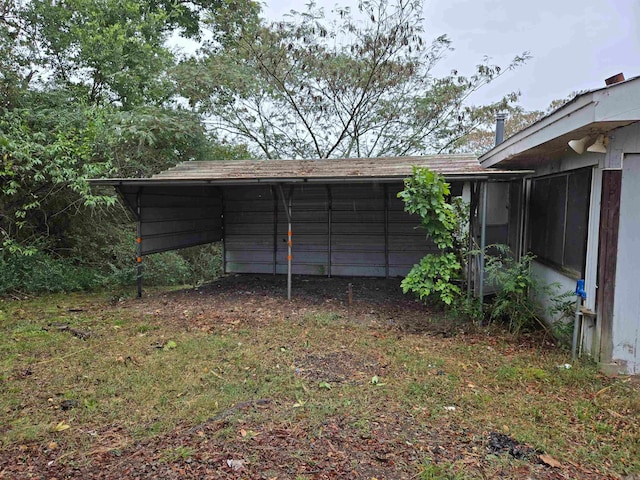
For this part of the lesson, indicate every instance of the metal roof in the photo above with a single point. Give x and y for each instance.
(452, 167)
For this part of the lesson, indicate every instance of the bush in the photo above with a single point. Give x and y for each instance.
(44, 273)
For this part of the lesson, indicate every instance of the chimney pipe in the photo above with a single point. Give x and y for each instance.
(617, 78)
(500, 127)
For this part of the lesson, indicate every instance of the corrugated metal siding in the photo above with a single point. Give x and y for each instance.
(173, 218)
(407, 244)
(249, 214)
(358, 235)
(310, 217)
(341, 230)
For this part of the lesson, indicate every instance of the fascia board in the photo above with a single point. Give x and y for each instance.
(620, 104)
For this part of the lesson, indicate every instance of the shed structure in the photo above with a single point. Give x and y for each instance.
(342, 216)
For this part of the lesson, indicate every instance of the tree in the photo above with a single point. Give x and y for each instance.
(360, 84)
(86, 91)
(426, 194)
(481, 138)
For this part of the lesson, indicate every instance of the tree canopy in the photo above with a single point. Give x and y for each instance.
(86, 90)
(352, 84)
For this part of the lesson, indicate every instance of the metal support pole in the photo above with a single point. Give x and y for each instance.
(330, 226)
(483, 240)
(286, 201)
(289, 248)
(386, 230)
(275, 231)
(473, 187)
(139, 244)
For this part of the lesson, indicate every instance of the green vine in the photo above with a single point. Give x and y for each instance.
(425, 194)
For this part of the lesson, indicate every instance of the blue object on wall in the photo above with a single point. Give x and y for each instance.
(580, 291)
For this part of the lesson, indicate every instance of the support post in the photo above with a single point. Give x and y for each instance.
(275, 231)
(329, 226)
(287, 208)
(473, 203)
(483, 240)
(386, 230)
(139, 244)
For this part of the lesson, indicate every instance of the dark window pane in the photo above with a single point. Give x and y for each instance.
(537, 217)
(577, 220)
(556, 205)
(558, 218)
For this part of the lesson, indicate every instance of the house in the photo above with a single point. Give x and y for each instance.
(579, 211)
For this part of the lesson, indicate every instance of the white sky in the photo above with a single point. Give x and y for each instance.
(575, 44)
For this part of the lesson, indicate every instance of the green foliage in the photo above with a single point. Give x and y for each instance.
(517, 290)
(42, 273)
(425, 194)
(46, 155)
(86, 90)
(435, 274)
(359, 85)
(513, 303)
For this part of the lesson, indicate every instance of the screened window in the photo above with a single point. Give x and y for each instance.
(558, 219)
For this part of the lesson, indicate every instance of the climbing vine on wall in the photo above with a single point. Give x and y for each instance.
(426, 194)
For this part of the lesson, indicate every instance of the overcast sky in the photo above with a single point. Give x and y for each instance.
(575, 44)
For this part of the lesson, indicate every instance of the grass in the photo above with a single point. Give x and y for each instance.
(145, 370)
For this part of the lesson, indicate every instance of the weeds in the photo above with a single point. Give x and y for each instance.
(122, 379)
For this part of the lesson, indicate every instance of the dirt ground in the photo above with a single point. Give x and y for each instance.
(270, 448)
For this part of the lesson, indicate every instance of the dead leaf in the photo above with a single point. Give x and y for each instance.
(549, 460)
(61, 427)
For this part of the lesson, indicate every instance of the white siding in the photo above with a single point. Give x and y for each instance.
(626, 313)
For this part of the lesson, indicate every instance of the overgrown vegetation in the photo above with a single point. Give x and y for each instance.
(188, 380)
(427, 194)
(440, 275)
(91, 89)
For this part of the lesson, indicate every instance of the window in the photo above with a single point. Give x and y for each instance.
(559, 217)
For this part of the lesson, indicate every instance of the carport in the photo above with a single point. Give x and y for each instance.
(332, 217)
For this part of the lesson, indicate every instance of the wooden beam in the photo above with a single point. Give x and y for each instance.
(608, 254)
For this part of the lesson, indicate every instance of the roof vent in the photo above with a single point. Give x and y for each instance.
(619, 77)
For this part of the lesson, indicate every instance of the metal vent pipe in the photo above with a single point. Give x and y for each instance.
(500, 117)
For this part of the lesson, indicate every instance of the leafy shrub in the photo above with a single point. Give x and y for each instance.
(434, 275)
(515, 302)
(44, 273)
(425, 194)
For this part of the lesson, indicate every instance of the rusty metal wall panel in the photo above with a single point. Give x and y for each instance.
(249, 228)
(176, 217)
(310, 227)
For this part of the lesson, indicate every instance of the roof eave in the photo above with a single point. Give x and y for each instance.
(115, 182)
(578, 113)
(593, 112)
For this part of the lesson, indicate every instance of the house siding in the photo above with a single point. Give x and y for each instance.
(626, 309)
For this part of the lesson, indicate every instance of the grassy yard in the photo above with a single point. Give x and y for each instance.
(234, 381)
